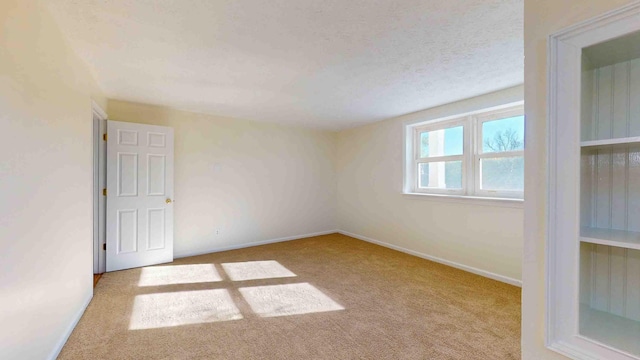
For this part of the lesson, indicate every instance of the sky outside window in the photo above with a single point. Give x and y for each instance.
(453, 141)
(509, 132)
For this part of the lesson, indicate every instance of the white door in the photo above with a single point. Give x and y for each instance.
(139, 195)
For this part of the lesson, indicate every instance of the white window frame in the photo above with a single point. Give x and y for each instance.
(479, 120)
(419, 160)
(471, 157)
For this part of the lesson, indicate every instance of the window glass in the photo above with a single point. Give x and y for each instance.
(440, 175)
(478, 154)
(503, 135)
(505, 173)
(443, 142)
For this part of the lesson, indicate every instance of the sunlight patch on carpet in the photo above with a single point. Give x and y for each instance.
(178, 274)
(255, 270)
(182, 308)
(288, 299)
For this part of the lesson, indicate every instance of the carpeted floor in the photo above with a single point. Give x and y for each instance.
(327, 297)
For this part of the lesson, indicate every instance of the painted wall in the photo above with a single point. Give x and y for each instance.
(252, 181)
(371, 203)
(542, 18)
(45, 183)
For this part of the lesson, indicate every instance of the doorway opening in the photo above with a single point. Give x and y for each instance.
(132, 194)
(99, 184)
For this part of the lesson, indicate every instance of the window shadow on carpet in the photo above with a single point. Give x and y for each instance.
(187, 307)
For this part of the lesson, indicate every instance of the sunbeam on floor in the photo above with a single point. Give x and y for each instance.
(182, 308)
(256, 270)
(168, 309)
(178, 274)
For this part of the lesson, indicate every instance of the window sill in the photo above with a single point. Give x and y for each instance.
(469, 200)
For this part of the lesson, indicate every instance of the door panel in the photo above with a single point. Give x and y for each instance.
(139, 195)
(127, 231)
(156, 175)
(156, 229)
(127, 174)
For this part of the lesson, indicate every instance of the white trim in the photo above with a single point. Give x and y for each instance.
(549, 266)
(443, 158)
(95, 130)
(251, 244)
(619, 16)
(571, 351)
(456, 265)
(517, 203)
(500, 114)
(97, 109)
(67, 333)
(500, 154)
(99, 127)
(98, 153)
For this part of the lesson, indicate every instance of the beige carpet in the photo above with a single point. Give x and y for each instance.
(327, 297)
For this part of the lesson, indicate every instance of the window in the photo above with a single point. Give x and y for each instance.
(481, 154)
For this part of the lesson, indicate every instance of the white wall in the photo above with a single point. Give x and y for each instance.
(371, 203)
(253, 181)
(45, 183)
(542, 18)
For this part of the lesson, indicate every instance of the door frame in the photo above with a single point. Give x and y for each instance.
(99, 167)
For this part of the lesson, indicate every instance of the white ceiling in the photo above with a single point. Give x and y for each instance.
(329, 64)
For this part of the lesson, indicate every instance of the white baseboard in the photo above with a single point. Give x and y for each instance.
(69, 330)
(256, 243)
(470, 269)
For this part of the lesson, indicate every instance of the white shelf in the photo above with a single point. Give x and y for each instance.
(610, 329)
(619, 238)
(611, 142)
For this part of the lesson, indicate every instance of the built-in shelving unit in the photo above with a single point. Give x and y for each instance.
(610, 201)
(594, 206)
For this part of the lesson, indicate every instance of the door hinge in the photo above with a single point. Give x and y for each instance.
(104, 246)
(104, 192)
(104, 137)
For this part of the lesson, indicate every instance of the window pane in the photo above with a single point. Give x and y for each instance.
(443, 142)
(505, 173)
(503, 135)
(441, 175)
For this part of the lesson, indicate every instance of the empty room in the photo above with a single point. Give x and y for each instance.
(416, 179)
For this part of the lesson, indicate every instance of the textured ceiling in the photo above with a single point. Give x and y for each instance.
(329, 64)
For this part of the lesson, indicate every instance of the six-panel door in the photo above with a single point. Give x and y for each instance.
(139, 195)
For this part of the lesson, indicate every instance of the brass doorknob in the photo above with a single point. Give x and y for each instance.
(168, 201)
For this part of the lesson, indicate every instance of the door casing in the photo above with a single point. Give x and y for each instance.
(99, 121)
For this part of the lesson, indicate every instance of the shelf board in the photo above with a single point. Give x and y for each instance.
(619, 238)
(609, 329)
(611, 142)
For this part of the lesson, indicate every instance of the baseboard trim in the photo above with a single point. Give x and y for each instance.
(255, 243)
(456, 265)
(65, 336)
